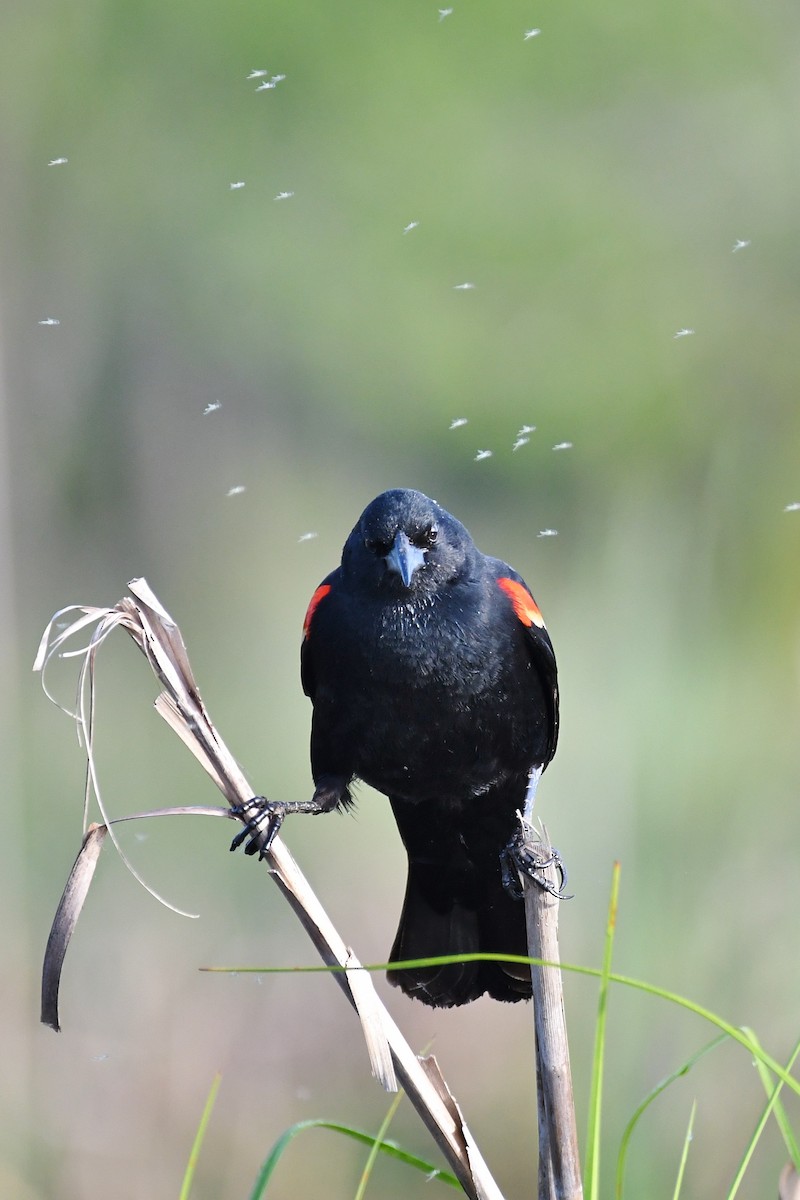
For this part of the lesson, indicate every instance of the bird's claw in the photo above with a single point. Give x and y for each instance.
(261, 826)
(519, 858)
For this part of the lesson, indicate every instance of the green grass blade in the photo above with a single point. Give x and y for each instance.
(685, 1154)
(592, 1175)
(790, 1141)
(733, 1031)
(648, 1100)
(375, 1148)
(650, 989)
(366, 1139)
(194, 1154)
(773, 1089)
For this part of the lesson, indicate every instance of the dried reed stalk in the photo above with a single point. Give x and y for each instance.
(559, 1160)
(157, 635)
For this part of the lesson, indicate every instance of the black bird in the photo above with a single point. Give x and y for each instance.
(433, 679)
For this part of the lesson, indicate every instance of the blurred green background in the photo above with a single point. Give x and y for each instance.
(591, 182)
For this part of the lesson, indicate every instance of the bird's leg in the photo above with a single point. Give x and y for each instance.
(267, 816)
(520, 857)
(534, 775)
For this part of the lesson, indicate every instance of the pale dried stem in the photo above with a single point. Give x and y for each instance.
(559, 1160)
(158, 637)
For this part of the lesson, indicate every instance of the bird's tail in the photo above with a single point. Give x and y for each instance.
(455, 904)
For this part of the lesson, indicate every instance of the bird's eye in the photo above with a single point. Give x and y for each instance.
(426, 537)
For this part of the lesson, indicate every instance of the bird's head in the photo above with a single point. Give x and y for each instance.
(405, 544)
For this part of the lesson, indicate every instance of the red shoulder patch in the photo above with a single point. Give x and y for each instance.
(319, 594)
(522, 601)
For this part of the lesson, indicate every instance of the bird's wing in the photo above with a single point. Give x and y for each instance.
(306, 652)
(537, 640)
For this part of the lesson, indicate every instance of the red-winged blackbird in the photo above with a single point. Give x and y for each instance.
(433, 680)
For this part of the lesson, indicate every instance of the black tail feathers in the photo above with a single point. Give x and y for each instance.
(464, 912)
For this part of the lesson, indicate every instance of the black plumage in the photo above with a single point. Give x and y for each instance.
(433, 679)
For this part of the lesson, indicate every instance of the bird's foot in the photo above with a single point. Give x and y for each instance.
(520, 857)
(263, 819)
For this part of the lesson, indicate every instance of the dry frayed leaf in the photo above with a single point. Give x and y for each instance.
(67, 914)
(74, 895)
(105, 621)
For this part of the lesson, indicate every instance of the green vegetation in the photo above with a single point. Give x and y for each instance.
(592, 182)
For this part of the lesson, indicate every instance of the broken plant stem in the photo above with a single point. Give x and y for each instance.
(559, 1160)
(180, 704)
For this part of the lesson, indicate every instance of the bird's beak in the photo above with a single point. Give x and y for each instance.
(404, 558)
